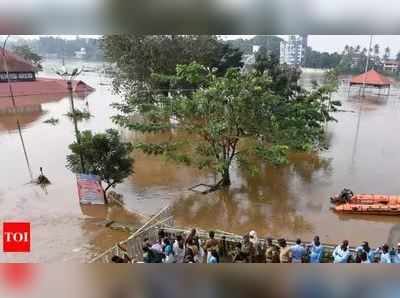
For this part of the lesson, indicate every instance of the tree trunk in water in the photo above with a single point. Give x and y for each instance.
(226, 179)
(105, 197)
(105, 192)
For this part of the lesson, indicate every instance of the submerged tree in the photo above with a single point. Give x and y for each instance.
(234, 117)
(104, 155)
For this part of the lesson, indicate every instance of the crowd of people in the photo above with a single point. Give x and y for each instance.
(179, 249)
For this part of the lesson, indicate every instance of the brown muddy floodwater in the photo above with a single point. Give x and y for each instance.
(289, 201)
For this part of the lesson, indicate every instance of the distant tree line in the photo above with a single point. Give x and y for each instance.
(315, 59)
(268, 42)
(351, 60)
(59, 47)
(354, 59)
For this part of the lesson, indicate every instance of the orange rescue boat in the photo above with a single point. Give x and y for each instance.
(347, 202)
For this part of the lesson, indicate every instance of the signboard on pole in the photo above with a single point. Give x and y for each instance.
(90, 190)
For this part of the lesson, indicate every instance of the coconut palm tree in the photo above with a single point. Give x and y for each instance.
(387, 53)
(376, 50)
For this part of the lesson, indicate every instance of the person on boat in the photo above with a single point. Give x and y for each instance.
(271, 251)
(396, 256)
(364, 247)
(298, 252)
(285, 253)
(316, 251)
(248, 249)
(211, 244)
(341, 253)
(213, 258)
(179, 249)
(239, 256)
(344, 197)
(385, 255)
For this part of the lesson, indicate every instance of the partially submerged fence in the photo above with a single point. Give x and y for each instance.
(134, 242)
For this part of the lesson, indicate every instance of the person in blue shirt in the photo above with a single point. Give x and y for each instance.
(385, 255)
(364, 247)
(341, 254)
(298, 252)
(316, 251)
(396, 257)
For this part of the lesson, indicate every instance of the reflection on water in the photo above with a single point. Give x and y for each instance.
(287, 201)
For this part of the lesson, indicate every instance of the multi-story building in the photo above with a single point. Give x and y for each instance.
(292, 51)
(391, 65)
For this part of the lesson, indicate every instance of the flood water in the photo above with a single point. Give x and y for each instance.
(289, 201)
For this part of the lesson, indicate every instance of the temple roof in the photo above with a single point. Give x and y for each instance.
(371, 78)
(15, 63)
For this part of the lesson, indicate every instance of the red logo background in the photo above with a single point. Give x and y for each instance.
(12, 245)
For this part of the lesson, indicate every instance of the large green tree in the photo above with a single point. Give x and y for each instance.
(139, 57)
(235, 117)
(104, 155)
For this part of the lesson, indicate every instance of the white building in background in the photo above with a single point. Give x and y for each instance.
(80, 54)
(292, 51)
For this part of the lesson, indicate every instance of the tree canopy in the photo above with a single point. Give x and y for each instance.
(29, 55)
(315, 59)
(139, 57)
(104, 155)
(234, 117)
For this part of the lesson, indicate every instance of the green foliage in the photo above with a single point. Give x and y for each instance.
(235, 116)
(79, 115)
(103, 154)
(275, 154)
(354, 60)
(139, 58)
(29, 55)
(315, 59)
(284, 78)
(52, 121)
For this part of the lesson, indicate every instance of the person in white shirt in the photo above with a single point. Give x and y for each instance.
(179, 249)
(341, 254)
(385, 255)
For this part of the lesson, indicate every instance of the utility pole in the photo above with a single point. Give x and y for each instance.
(366, 65)
(69, 77)
(5, 65)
